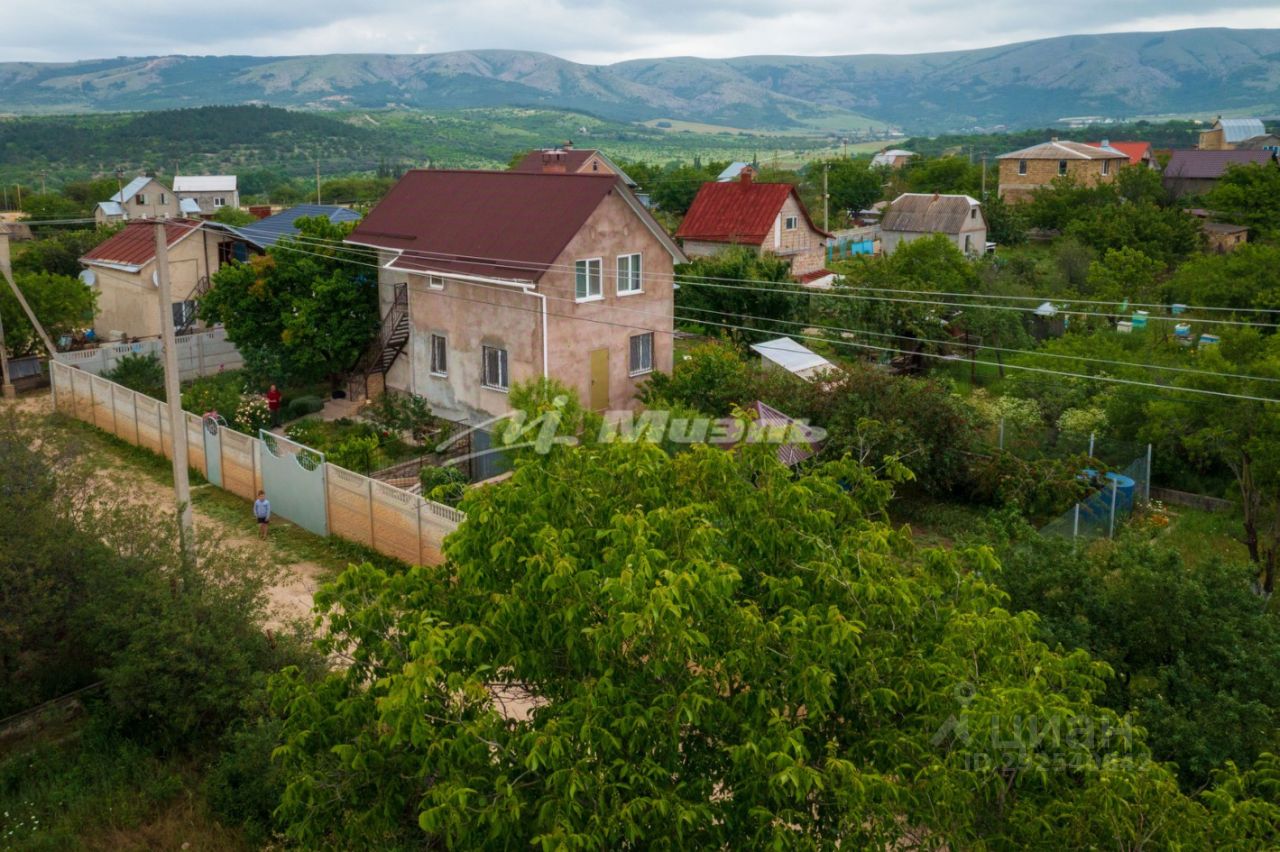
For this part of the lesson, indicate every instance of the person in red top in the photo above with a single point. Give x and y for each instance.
(273, 403)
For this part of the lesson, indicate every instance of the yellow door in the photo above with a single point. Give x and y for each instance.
(599, 379)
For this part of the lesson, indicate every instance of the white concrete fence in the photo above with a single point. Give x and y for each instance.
(201, 354)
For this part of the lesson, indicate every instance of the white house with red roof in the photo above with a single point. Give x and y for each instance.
(768, 217)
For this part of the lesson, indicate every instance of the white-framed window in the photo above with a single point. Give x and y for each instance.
(141, 199)
(1022, 167)
(219, 202)
(641, 360)
(495, 368)
(439, 355)
(629, 274)
(973, 212)
(587, 283)
(1062, 168)
(435, 282)
(791, 223)
(968, 243)
(1106, 167)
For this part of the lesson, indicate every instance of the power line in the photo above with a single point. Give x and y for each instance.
(1085, 376)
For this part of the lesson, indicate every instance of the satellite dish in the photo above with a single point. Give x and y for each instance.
(155, 278)
(89, 277)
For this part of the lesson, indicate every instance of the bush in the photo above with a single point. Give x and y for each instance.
(252, 414)
(141, 373)
(402, 412)
(1039, 489)
(244, 786)
(357, 453)
(220, 393)
(304, 405)
(443, 484)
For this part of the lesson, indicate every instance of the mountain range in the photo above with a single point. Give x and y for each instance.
(1122, 75)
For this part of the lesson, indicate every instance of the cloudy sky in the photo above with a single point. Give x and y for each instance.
(597, 31)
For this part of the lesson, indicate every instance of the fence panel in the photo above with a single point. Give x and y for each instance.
(317, 496)
(395, 522)
(238, 467)
(293, 478)
(350, 505)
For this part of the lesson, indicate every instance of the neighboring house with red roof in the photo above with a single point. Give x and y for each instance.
(1197, 172)
(768, 217)
(505, 277)
(123, 271)
(1140, 153)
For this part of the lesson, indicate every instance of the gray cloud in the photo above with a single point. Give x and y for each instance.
(597, 31)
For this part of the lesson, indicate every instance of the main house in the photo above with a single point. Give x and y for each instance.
(142, 198)
(1023, 172)
(1197, 172)
(123, 270)
(492, 278)
(768, 217)
(913, 215)
(209, 192)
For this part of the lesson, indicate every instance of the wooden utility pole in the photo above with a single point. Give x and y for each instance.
(7, 270)
(826, 198)
(173, 393)
(43, 189)
(984, 176)
(18, 186)
(6, 382)
(318, 177)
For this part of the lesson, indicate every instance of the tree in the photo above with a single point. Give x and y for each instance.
(629, 649)
(61, 304)
(43, 206)
(60, 252)
(1168, 235)
(1249, 195)
(1242, 435)
(948, 175)
(676, 188)
(1123, 274)
(1141, 185)
(301, 312)
(234, 216)
(1247, 279)
(852, 184)
(1195, 655)
(741, 287)
(141, 373)
(1006, 224)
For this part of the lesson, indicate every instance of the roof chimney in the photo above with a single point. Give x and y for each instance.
(553, 162)
(1106, 143)
(568, 146)
(1053, 139)
(936, 196)
(746, 176)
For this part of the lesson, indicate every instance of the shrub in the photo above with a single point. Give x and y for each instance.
(252, 413)
(1040, 488)
(304, 405)
(220, 393)
(141, 373)
(358, 453)
(443, 484)
(309, 431)
(402, 412)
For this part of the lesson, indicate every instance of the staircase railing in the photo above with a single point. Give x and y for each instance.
(371, 361)
(189, 318)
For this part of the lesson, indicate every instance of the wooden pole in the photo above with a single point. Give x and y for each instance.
(173, 393)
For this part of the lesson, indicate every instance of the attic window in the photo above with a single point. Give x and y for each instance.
(1022, 167)
(140, 200)
(973, 212)
(790, 223)
(595, 167)
(1062, 168)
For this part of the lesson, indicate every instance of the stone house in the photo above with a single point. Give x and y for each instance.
(913, 215)
(1222, 237)
(209, 192)
(505, 277)
(123, 270)
(1023, 172)
(768, 217)
(1197, 172)
(1227, 133)
(141, 198)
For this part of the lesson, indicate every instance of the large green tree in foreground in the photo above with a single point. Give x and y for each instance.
(634, 650)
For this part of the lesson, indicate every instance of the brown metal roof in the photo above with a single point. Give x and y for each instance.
(135, 246)
(495, 224)
(921, 213)
(1209, 165)
(738, 212)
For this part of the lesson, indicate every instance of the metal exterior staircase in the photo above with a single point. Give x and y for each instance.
(382, 353)
(185, 317)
